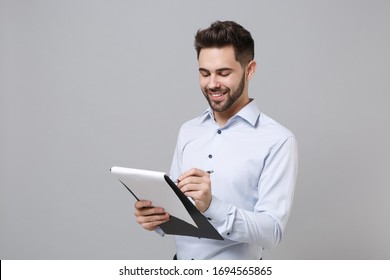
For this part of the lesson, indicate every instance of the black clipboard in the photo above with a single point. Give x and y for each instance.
(185, 218)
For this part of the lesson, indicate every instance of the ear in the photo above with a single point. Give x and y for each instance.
(250, 69)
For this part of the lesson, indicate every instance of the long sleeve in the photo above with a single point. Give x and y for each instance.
(265, 224)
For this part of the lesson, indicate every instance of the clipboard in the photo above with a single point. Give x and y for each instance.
(185, 218)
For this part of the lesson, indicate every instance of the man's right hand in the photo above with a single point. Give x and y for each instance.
(148, 216)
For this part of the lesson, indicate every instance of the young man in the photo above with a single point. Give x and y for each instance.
(248, 196)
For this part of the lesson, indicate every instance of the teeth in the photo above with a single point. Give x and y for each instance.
(216, 94)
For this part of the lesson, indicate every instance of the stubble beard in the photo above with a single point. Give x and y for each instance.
(230, 98)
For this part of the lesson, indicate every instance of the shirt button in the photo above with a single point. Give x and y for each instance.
(219, 131)
(210, 156)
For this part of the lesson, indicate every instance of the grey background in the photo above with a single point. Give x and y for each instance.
(85, 85)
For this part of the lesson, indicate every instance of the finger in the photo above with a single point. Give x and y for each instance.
(151, 222)
(148, 211)
(197, 194)
(189, 180)
(152, 225)
(152, 218)
(192, 188)
(192, 172)
(195, 183)
(142, 204)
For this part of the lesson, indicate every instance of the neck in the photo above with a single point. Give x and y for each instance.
(223, 117)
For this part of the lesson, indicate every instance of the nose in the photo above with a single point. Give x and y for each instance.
(213, 82)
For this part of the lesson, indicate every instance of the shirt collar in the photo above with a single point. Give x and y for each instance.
(250, 113)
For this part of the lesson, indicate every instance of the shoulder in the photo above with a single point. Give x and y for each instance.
(271, 127)
(199, 122)
(194, 127)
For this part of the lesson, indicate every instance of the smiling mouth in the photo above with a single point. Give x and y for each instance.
(216, 95)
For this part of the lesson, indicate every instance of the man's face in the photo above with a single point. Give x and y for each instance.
(222, 79)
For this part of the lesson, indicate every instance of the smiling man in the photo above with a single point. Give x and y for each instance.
(224, 81)
(248, 196)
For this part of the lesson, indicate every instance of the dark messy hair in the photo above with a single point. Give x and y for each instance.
(227, 33)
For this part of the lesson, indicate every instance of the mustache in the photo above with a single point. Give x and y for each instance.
(216, 90)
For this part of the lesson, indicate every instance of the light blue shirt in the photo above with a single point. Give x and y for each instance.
(254, 160)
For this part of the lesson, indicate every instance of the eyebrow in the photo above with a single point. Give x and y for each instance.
(218, 70)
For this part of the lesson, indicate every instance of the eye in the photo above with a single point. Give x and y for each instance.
(204, 73)
(225, 74)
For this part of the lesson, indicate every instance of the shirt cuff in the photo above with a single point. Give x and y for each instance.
(217, 211)
(159, 231)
